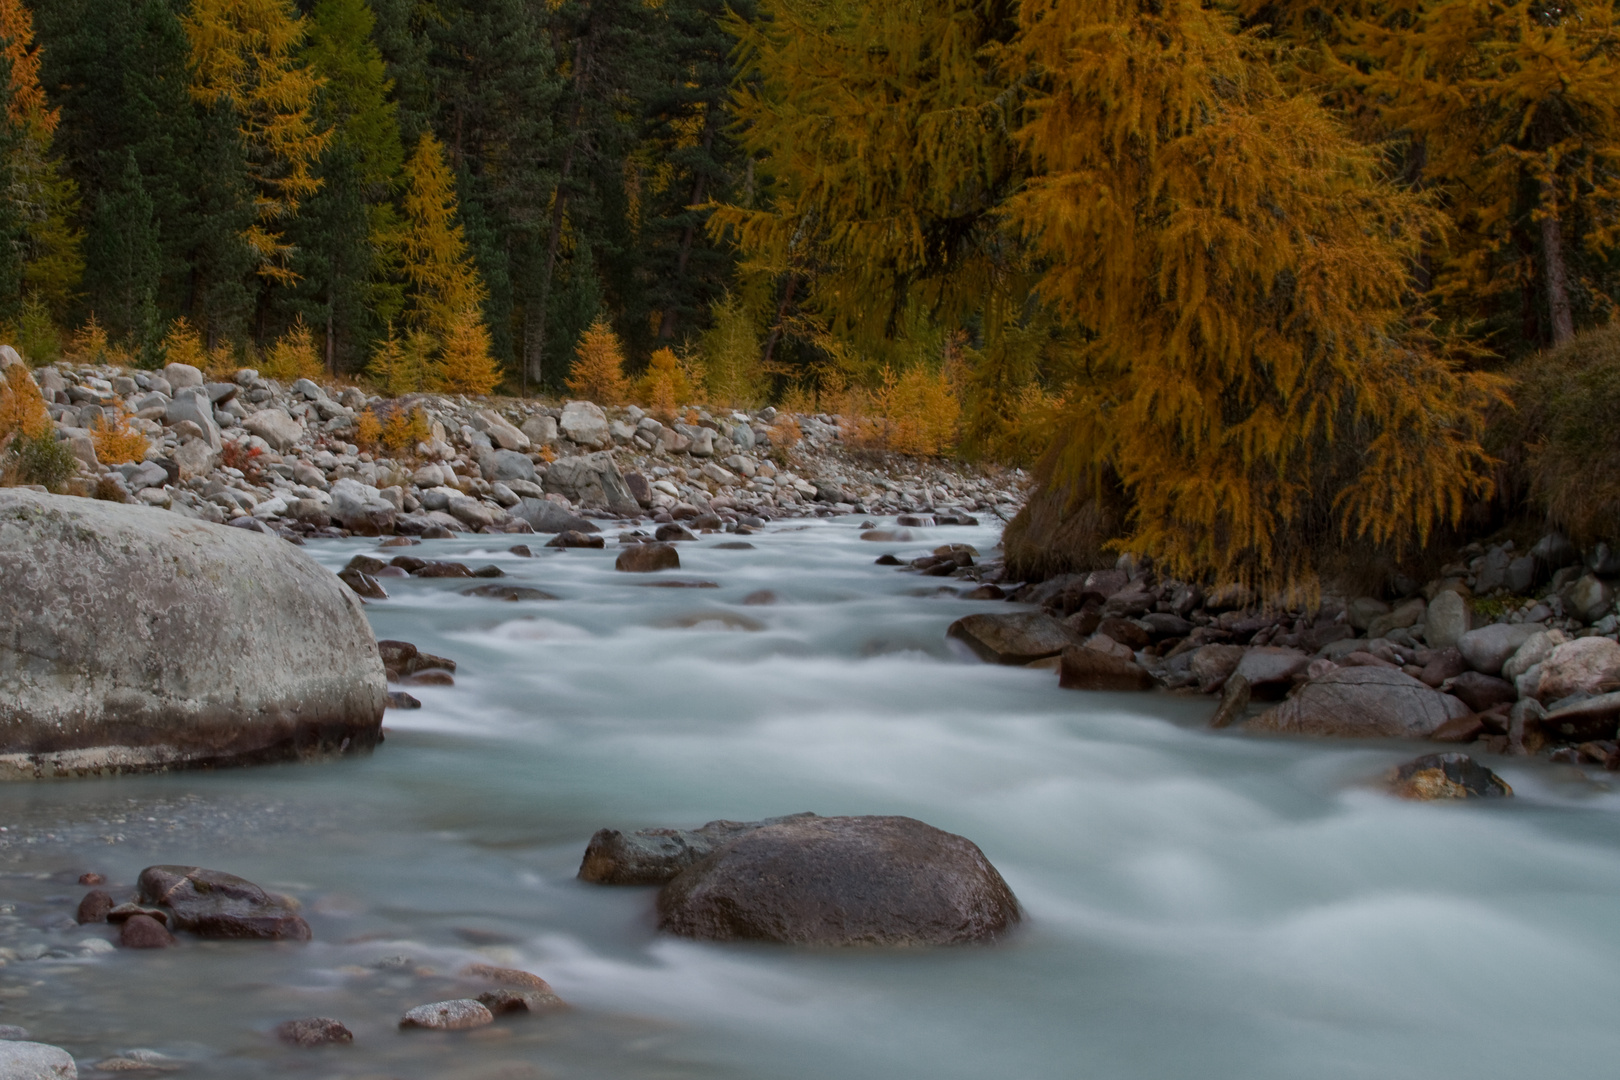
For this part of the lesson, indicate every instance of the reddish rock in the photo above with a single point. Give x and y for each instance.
(647, 558)
(144, 932)
(217, 905)
(1088, 669)
(314, 1031)
(95, 905)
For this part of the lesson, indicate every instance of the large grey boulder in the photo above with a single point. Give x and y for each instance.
(841, 881)
(181, 376)
(1019, 637)
(276, 427)
(506, 465)
(35, 1061)
(361, 509)
(585, 423)
(1362, 702)
(500, 430)
(1588, 665)
(1489, 647)
(133, 639)
(545, 516)
(591, 480)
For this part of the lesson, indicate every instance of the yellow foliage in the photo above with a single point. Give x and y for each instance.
(916, 412)
(785, 431)
(90, 345)
(444, 282)
(183, 345)
(246, 54)
(664, 386)
(731, 357)
(293, 356)
(116, 443)
(22, 406)
(367, 430)
(1251, 377)
(401, 367)
(223, 361)
(405, 429)
(465, 365)
(597, 373)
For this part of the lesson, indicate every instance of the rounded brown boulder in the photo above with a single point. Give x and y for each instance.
(841, 881)
(647, 558)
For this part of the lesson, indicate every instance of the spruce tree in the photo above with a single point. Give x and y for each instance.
(124, 259)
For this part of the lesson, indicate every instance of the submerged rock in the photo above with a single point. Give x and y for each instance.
(841, 881)
(1015, 638)
(314, 1031)
(239, 649)
(218, 905)
(1362, 702)
(144, 932)
(654, 856)
(1446, 776)
(1084, 668)
(95, 906)
(647, 558)
(457, 1015)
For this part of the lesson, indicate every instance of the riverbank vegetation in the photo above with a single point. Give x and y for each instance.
(1258, 288)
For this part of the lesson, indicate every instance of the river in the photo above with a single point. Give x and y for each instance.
(1198, 905)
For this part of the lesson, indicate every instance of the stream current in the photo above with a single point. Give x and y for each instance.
(1197, 905)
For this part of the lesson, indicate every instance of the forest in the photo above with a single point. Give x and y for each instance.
(1257, 288)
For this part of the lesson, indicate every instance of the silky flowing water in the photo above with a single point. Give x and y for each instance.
(1198, 905)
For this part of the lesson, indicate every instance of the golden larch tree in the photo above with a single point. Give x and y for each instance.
(465, 364)
(1240, 268)
(246, 54)
(597, 373)
(444, 282)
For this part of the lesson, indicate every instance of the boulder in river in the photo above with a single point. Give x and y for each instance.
(1019, 637)
(144, 932)
(212, 904)
(647, 558)
(653, 856)
(133, 639)
(1083, 668)
(841, 881)
(545, 516)
(35, 1061)
(591, 480)
(1446, 776)
(94, 907)
(457, 1015)
(312, 1031)
(1361, 702)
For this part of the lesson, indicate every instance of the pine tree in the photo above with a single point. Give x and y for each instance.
(443, 281)
(598, 370)
(245, 55)
(44, 202)
(348, 232)
(124, 259)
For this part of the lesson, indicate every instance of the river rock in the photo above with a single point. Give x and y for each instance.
(1018, 638)
(1584, 719)
(502, 1002)
(193, 405)
(212, 904)
(1266, 665)
(541, 430)
(94, 907)
(591, 480)
(35, 1061)
(1083, 668)
(1489, 647)
(841, 881)
(361, 509)
(1212, 665)
(545, 516)
(1587, 665)
(458, 1015)
(1405, 614)
(1532, 652)
(1589, 599)
(144, 932)
(1361, 702)
(506, 465)
(1446, 776)
(1361, 611)
(1448, 619)
(1235, 697)
(242, 649)
(585, 423)
(500, 431)
(646, 558)
(276, 427)
(1481, 692)
(312, 1031)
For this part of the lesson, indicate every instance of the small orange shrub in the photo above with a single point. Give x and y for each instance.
(367, 430)
(293, 356)
(598, 370)
(665, 385)
(116, 443)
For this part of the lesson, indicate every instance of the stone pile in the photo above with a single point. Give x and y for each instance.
(251, 452)
(1517, 652)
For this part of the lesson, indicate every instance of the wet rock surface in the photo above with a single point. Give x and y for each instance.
(213, 904)
(1362, 702)
(1446, 776)
(654, 856)
(458, 1015)
(882, 881)
(314, 1031)
(1016, 638)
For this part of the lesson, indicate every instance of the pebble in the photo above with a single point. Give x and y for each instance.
(457, 1015)
(313, 1031)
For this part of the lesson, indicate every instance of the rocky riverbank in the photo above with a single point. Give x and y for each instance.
(254, 453)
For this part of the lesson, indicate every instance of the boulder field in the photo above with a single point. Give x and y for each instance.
(135, 640)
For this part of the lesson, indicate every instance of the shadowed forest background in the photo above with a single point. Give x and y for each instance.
(1264, 291)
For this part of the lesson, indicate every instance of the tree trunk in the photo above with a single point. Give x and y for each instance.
(781, 314)
(1557, 275)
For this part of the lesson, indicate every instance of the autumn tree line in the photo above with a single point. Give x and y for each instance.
(1255, 285)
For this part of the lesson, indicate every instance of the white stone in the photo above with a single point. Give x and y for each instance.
(500, 432)
(585, 423)
(181, 376)
(1447, 620)
(276, 427)
(35, 1061)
